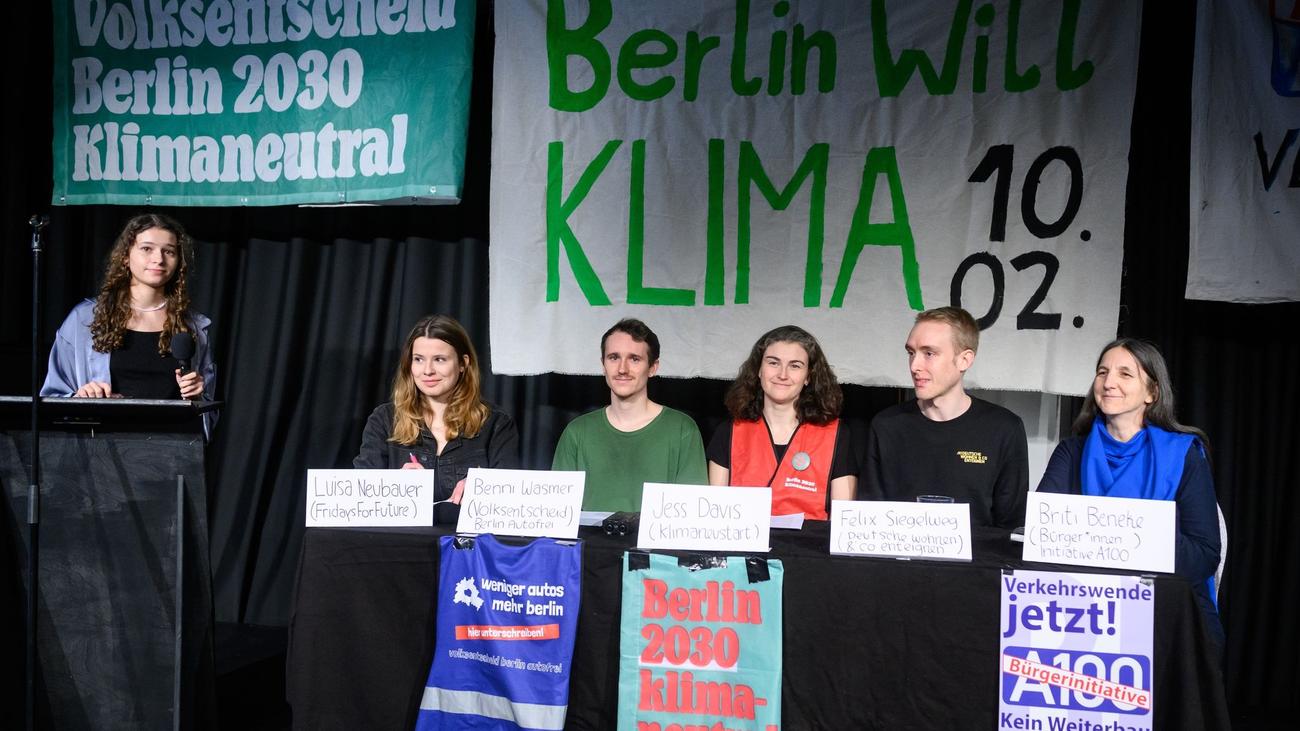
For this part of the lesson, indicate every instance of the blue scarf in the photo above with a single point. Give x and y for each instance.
(1148, 466)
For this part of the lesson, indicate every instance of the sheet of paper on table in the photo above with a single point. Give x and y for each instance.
(793, 521)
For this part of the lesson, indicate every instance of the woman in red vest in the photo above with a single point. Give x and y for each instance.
(785, 429)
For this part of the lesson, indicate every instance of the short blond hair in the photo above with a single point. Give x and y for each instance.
(965, 331)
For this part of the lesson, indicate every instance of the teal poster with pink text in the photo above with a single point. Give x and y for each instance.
(700, 643)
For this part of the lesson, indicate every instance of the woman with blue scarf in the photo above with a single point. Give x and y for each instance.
(1128, 443)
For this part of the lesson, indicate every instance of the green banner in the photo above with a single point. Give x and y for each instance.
(260, 102)
(700, 643)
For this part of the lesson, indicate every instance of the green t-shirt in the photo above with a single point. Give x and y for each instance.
(668, 449)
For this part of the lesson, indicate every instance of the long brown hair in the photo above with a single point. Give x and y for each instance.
(466, 412)
(113, 305)
(1161, 411)
(820, 400)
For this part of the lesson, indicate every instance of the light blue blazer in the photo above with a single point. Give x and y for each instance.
(74, 361)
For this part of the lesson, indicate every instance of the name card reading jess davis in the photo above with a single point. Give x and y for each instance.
(1111, 532)
(369, 498)
(901, 530)
(705, 518)
(538, 503)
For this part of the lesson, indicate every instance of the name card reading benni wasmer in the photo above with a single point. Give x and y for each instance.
(369, 498)
(901, 530)
(521, 502)
(705, 518)
(1110, 532)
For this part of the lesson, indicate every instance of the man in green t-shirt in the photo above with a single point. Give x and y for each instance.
(633, 440)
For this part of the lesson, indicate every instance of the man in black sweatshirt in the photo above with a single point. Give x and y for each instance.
(946, 442)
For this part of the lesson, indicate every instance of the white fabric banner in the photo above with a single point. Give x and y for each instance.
(721, 168)
(1245, 192)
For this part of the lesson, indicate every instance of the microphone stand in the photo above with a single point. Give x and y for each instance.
(37, 222)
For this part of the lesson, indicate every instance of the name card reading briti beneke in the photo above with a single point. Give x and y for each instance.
(369, 498)
(705, 518)
(1111, 532)
(538, 503)
(901, 530)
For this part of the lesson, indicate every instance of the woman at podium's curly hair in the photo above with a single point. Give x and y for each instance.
(437, 417)
(120, 343)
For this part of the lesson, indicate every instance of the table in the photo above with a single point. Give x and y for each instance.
(868, 643)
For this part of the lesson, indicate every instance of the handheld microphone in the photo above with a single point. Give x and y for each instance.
(183, 350)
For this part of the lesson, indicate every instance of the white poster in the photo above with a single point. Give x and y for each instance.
(1077, 651)
(1245, 194)
(721, 168)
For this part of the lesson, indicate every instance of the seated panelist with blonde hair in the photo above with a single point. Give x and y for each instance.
(785, 432)
(437, 417)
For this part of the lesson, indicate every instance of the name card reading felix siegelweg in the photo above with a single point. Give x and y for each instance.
(900, 529)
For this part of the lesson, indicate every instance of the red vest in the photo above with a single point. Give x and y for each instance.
(800, 483)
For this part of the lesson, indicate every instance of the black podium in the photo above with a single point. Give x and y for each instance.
(125, 623)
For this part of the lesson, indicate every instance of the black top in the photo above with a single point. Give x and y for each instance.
(139, 371)
(495, 445)
(980, 458)
(843, 462)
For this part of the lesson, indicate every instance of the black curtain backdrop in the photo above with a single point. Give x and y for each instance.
(310, 306)
(1235, 368)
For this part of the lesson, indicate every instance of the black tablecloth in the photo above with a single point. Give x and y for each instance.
(869, 643)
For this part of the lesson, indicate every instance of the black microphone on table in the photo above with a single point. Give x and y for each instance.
(183, 350)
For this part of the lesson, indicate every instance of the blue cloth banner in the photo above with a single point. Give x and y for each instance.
(506, 621)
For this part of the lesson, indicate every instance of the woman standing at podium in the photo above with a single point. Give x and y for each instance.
(119, 344)
(1129, 443)
(437, 417)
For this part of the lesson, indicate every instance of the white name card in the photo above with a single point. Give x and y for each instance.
(704, 518)
(1111, 532)
(369, 498)
(901, 530)
(522, 502)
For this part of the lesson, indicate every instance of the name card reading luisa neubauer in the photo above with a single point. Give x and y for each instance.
(369, 498)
